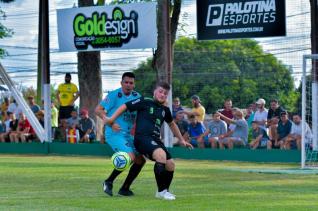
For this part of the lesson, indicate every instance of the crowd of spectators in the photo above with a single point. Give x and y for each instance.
(67, 125)
(254, 127)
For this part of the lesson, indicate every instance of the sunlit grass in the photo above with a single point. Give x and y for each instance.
(74, 183)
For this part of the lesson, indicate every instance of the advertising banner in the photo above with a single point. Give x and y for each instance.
(127, 26)
(227, 19)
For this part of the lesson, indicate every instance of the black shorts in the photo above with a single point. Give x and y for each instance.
(65, 112)
(147, 145)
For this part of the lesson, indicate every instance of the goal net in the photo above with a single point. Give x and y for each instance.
(309, 149)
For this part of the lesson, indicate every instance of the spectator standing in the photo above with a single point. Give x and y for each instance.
(4, 105)
(273, 117)
(40, 116)
(67, 94)
(227, 110)
(34, 107)
(283, 130)
(14, 108)
(293, 140)
(259, 137)
(260, 116)
(198, 110)
(216, 128)
(54, 119)
(195, 132)
(250, 113)
(176, 106)
(237, 133)
(86, 127)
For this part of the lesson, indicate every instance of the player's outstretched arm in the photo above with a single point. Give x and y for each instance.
(175, 130)
(117, 113)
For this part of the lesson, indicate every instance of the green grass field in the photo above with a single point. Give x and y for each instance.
(74, 183)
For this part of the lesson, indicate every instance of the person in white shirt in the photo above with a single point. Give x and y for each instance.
(260, 116)
(293, 140)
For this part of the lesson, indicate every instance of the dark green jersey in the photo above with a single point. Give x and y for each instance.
(150, 116)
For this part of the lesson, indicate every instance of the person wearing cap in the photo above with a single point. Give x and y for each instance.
(34, 107)
(119, 134)
(273, 117)
(86, 127)
(283, 130)
(198, 110)
(67, 94)
(260, 116)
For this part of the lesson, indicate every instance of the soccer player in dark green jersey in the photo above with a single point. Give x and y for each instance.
(151, 113)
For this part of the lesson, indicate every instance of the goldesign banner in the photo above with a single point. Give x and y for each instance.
(128, 26)
(227, 19)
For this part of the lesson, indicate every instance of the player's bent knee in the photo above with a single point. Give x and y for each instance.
(170, 165)
(159, 155)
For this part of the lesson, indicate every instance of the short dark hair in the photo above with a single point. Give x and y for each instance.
(191, 116)
(274, 100)
(163, 84)
(128, 74)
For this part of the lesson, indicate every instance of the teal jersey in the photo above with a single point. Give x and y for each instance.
(112, 102)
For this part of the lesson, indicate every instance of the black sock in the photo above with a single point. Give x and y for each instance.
(113, 175)
(160, 171)
(133, 173)
(169, 177)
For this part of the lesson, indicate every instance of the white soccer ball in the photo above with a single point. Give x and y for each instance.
(121, 161)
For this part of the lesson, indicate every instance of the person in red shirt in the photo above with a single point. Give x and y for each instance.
(228, 111)
(24, 132)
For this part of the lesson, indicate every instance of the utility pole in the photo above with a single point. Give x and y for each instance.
(39, 76)
(314, 73)
(168, 62)
(45, 66)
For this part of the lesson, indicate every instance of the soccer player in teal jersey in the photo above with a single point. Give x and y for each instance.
(119, 135)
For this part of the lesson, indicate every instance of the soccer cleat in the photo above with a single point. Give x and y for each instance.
(108, 188)
(124, 192)
(165, 195)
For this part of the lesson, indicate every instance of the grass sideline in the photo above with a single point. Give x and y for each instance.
(74, 183)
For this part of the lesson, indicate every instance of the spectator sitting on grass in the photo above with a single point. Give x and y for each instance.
(238, 131)
(259, 137)
(196, 129)
(216, 128)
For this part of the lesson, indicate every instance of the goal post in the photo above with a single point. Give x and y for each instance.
(309, 149)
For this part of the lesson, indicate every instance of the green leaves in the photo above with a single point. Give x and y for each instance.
(217, 70)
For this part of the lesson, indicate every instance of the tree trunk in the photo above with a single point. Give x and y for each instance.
(89, 78)
(89, 74)
(159, 59)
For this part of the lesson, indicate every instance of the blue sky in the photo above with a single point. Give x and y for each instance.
(22, 17)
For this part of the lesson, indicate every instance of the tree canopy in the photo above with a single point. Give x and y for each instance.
(218, 70)
(4, 31)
